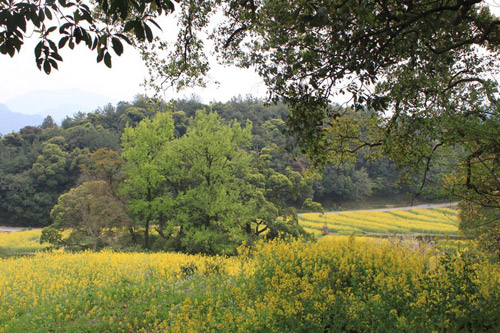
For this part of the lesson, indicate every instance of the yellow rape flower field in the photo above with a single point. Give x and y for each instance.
(337, 283)
(438, 221)
(27, 241)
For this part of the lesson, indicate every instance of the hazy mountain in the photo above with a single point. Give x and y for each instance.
(11, 121)
(57, 103)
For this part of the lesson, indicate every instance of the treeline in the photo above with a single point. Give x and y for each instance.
(173, 167)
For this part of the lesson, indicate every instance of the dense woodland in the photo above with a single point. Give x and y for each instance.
(99, 156)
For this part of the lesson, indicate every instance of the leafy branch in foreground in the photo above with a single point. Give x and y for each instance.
(100, 25)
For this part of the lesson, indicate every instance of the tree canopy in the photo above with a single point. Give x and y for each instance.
(91, 213)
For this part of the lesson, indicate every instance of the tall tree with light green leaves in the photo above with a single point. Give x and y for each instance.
(143, 148)
(206, 176)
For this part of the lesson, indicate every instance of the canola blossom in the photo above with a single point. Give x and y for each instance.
(442, 221)
(21, 242)
(338, 283)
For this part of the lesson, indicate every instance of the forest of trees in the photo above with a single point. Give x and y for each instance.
(183, 176)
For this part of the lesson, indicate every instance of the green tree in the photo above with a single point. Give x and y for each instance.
(479, 212)
(343, 183)
(311, 206)
(206, 175)
(143, 148)
(92, 214)
(283, 185)
(21, 203)
(104, 164)
(48, 122)
(51, 167)
(425, 69)
(419, 65)
(93, 137)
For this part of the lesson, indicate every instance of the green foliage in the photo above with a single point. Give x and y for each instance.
(205, 176)
(344, 183)
(51, 235)
(204, 191)
(91, 213)
(482, 223)
(91, 136)
(286, 227)
(310, 206)
(51, 166)
(100, 26)
(104, 164)
(418, 75)
(143, 148)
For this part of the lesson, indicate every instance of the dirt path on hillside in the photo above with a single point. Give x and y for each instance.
(448, 204)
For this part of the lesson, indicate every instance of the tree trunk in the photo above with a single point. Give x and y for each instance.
(132, 234)
(146, 231)
(146, 235)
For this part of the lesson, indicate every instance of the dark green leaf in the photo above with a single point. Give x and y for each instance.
(117, 46)
(125, 38)
(56, 56)
(100, 55)
(48, 13)
(139, 31)
(21, 22)
(62, 28)
(107, 59)
(52, 45)
(41, 15)
(149, 33)
(155, 24)
(49, 30)
(129, 26)
(63, 41)
(38, 50)
(53, 63)
(46, 67)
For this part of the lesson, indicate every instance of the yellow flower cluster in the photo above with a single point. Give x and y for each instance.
(21, 242)
(430, 221)
(63, 286)
(341, 283)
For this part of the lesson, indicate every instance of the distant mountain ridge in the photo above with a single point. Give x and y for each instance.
(12, 121)
(57, 103)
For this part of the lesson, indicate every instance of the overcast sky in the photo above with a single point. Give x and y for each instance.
(79, 70)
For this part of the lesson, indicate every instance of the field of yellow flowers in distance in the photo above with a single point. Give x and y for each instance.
(21, 242)
(441, 221)
(341, 283)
